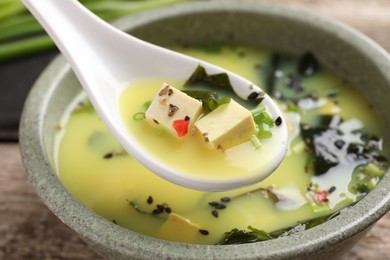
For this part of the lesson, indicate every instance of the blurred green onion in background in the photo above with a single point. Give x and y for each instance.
(22, 35)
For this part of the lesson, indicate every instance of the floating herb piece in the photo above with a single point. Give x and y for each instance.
(255, 141)
(271, 74)
(264, 123)
(210, 99)
(237, 236)
(84, 106)
(115, 152)
(317, 139)
(200, 76)
(269, 194)
(215, 81)
(139, 116)
(365, 177)
(308, 64)
(137, 207)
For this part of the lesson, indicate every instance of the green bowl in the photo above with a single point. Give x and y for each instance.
(340, 48)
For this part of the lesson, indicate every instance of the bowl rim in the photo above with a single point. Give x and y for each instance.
(101, 233)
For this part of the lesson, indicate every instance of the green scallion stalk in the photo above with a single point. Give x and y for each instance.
(120, 8)
(11, 9)
(13, 32)
(17, 20)
(19, 29)
(25, 47)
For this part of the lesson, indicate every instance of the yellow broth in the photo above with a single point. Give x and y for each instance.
(181, 153)
(97, 172)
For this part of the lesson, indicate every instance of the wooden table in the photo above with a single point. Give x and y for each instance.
(28, 230)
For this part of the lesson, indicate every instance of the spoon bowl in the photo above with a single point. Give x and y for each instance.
(106, 60)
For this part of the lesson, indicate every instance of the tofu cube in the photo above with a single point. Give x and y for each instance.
(227, 126)
(170, 105)
(178, 228)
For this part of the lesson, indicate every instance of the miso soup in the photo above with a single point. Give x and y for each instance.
(336, 155)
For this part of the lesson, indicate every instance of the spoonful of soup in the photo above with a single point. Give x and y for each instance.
(188, 134)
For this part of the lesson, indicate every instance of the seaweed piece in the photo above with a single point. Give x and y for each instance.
(238, 236)
(217, 81)
(271, 72)
(294, 82)
(308, 64)
(200, 76)
(327, 144)
(317, 139)
(208, 98)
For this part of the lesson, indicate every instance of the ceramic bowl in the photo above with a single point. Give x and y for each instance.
(340, 48)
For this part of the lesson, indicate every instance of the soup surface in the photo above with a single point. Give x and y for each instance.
(180, 153)
(335, 157)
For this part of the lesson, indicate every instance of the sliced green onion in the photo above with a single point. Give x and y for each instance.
(374, 170)
(147, 104)
(255, 141)
(264, 134)
(263, 118)
(257, 110)
(139, 116)
(224, 100)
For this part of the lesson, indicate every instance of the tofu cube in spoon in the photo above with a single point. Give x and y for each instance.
(173, 110)
(227, 126)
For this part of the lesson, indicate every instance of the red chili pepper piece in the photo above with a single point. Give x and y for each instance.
(181, 127)
(321, 195)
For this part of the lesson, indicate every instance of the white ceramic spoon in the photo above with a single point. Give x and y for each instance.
(105, 59)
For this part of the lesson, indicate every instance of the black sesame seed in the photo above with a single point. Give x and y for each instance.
(160, 207)
(108, 155)
(150, 200)
(203, 232)
(253, 95)
(353, 148)
(168, 210)
(278, 121)
(226, 199)
(213, 203)
(155, 121)
(157, 211)
(339, 143)
(217, 205)
(215, 213)
(220, 206)
(332, 189)
(187, 118)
